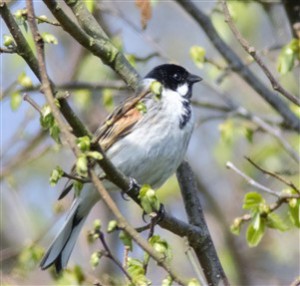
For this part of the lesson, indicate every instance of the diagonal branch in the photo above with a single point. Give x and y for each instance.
(252, 51)
(99, 46)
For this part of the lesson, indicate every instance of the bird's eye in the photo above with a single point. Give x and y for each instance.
(177, 76)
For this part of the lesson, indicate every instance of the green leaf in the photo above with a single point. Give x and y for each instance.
(42, 19)
(255, 234)
(252, 201)
(97, 224)
(49, 38)
(82, 165)
(15, 100)
(193, 282)
(275, 221)
(8, 41)
(288, 56)
(90, 5)
(30, 257)
(56, 174)
(95, 155)
(160, 245)
(136, 270)
(168, 281)
(83, 143)
(55, 132)
(126, 239)
(294, 213)
(46, 119)
(78, 186)
(24, 80)
(197, 54)
(156, 88)
(148, 199)
(141, 106)
(95, 259)
(112, 226)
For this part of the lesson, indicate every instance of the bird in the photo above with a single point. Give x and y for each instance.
(147, 144)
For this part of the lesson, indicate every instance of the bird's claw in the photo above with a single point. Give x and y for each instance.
(133, 187)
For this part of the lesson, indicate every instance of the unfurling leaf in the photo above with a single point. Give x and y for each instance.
(148, 199)
(288, 56)
(95, 258)
(49, 38)
(24, 80)
(193, 282)
(146, 12)
(97, 224)
(168, 281)
(112, 226)
(56, 174)
(255, 234)
(136, 270)
(82, 165)
(95, 155)
(77, 187)
(275, 221)
(252, 201)
(126, 239)
(83, 143)
(156, 88)
(8, 41)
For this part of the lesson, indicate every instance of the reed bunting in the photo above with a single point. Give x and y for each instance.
(146, 144)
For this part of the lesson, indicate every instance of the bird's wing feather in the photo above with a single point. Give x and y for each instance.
(117, 125)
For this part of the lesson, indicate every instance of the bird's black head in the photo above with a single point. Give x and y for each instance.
(173, 76)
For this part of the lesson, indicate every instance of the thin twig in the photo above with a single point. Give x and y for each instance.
(27, 98)
(251, 181)
(283, 180)
(195, 265)
(109, 255)
(8, 50)
(46, 85)
(82, 180)
(252, 51)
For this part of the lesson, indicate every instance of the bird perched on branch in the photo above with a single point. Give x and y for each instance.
(146, 139)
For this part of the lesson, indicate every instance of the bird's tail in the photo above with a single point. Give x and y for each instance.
(61, 248)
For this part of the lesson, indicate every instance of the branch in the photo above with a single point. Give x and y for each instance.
(209, 260)
(237, 65)
(252, 51)
(99, 46)
(252, 182)
(109, 255)
(274, 175)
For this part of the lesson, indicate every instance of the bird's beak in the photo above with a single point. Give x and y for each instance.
(192, 78)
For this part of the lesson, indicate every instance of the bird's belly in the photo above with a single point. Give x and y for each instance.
(150, 158)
